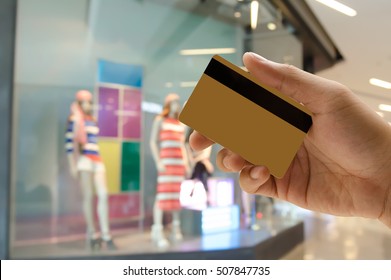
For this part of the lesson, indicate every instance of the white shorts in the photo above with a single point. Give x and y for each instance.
(86, 164)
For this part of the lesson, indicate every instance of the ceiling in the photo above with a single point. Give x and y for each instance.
(365, 43)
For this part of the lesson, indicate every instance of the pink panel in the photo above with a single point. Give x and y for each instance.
(131, 113)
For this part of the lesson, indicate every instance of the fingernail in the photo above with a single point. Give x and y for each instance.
(255, 172)
(257, 56)
(226, 162)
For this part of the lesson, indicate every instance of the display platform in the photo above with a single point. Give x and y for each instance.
(210, 220)
(273, 240)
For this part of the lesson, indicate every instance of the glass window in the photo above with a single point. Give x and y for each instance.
(130, 54)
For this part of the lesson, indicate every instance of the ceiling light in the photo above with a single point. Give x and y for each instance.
(381, 114)
(169, 85)
(207, 51)
(339, 7)
(254, 14)
(271, 26)
(188, 84)
(385, 107)
(237, 14)
(380, 83)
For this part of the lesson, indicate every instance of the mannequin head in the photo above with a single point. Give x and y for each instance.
(171, 106)
(84, 99)
(79, 109)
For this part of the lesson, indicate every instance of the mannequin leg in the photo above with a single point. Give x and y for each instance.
(157, 231)
(86, 187)
(176, 233)
(103, 208)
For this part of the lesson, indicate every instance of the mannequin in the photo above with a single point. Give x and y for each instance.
(169, 153)
(86, 165)
(200, 164)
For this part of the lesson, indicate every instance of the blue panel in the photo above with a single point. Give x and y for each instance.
(118, 73)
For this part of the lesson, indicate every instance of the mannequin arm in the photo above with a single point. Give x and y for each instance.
(70, 147)
(72, 165)
(187, 154)
(153, 143)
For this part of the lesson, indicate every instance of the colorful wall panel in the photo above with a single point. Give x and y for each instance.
(131, 120)
(108, 111)
(111, 155)
(119, 98)
(120, 73)
(130, 175)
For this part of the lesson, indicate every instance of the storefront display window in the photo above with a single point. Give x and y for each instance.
(129, 55)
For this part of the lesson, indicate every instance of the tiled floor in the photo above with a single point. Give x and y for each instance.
(338, 238)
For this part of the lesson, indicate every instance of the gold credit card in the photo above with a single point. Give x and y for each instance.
(230, 107)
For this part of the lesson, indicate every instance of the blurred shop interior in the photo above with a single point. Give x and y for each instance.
(122, 63)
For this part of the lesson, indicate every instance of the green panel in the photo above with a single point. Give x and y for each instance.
(130, 166)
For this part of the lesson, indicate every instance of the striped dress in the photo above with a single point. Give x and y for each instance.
(91, 148)
(171, 139)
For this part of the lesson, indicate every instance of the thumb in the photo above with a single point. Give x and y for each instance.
(310, 90)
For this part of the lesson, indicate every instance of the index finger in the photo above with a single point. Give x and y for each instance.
(311, 90)
(199, 142)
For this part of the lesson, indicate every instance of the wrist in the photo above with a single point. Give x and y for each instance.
(385, 216)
